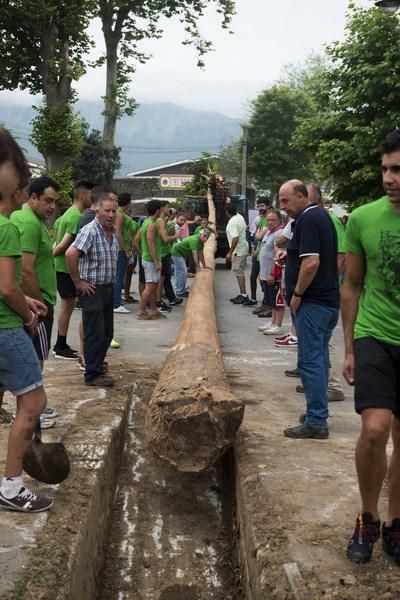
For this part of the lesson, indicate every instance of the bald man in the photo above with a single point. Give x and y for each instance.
(312, 292)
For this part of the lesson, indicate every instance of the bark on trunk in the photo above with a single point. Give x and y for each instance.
(56, 88)
(110, 100)
(193, 417)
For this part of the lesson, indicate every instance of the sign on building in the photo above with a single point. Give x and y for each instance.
(175, 182)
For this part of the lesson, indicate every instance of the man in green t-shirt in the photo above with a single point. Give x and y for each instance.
(167, 238)
(149, 245)
(19, 366)
(371, 324)
(123, 232)
(67, 229)
(132, 262)
(189, 246)
(38, 271)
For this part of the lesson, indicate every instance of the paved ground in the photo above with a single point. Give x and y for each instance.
(301, 496)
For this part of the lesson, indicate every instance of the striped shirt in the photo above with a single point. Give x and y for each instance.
(98, 265)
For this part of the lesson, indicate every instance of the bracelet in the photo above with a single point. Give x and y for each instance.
(296, 295)
(31, 321)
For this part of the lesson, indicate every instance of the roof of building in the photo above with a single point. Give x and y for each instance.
(145, 172)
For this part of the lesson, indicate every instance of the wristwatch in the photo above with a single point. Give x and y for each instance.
(296, 295)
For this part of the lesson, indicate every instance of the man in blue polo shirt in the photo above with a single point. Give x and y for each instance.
(312, 292)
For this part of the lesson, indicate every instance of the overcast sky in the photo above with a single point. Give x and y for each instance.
(268, 34)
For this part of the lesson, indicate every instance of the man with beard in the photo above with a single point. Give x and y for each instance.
(371, 323)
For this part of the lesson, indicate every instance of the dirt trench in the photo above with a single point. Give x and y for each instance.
(172, 535)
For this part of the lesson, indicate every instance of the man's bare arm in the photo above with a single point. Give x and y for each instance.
(351, 292)
(63, 246)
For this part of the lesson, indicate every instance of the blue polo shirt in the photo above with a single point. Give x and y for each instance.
(313, 233)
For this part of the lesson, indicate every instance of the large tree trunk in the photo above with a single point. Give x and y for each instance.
(112, 22)
(192, 417)
(110, 100)
(57, 89)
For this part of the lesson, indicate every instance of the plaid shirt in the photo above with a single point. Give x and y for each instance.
(98, 264)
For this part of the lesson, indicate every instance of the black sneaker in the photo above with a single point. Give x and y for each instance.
(391, 540)
(235, 298)
(175, 301)
(305, 431)
(292, 372)
(100, 381)
(163, 307)
(131, 300)
(65, 353)
(26, 501)
(365, 535)
(240, 299)
(250, 303)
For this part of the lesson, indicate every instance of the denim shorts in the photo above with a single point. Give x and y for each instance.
(150, 272)
(19, 365)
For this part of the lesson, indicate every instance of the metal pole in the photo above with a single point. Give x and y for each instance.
(244, 160)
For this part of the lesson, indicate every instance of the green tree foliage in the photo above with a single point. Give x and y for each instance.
(97, 161)
(201, 171)
(57, 130)
(42, 48)
(230, 162)
(126, 23)
(358, 101)
(274, 117)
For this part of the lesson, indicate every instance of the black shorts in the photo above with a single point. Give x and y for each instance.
(166, 266)
(271, 294)
(65, 285)
(42, 340)
(377, 375)
(142, 277)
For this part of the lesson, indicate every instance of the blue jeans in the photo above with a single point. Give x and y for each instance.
(180, 274)
(122, 265)
(19, 365)
(315, 324)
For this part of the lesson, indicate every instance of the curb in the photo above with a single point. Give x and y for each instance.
(77, 528)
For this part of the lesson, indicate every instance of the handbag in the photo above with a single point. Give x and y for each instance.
(46, 462)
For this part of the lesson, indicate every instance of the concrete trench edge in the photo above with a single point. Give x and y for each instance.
(85, 549)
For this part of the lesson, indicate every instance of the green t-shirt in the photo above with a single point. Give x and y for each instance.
(35, 238)
(186, 246)
(340, 232)
(10, 246)
(373, 231)
(69, 223)
(166, 246)
(126, 228)
(143, 240)
(262, 224)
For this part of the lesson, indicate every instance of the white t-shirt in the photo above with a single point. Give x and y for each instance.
(236, 227)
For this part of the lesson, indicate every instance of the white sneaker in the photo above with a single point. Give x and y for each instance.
(121, 309)
(273, 330)
(263, 328)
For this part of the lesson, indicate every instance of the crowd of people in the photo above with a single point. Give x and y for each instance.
(315, 264)
(301, 255)
(86, 263)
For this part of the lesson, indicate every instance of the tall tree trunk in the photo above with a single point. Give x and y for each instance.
(111, 100)
(57, 88)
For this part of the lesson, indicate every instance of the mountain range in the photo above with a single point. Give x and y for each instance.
(157, 134)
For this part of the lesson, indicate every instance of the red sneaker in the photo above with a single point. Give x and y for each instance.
(290, 341)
